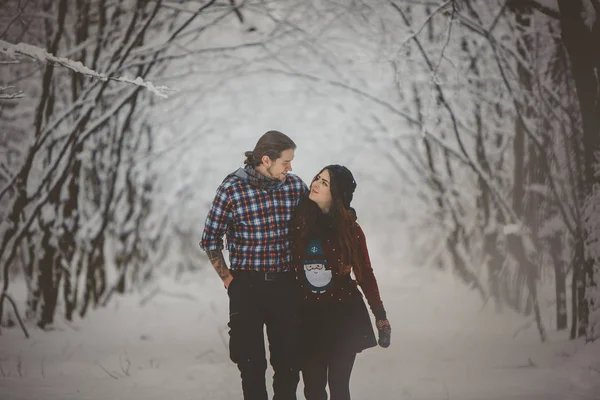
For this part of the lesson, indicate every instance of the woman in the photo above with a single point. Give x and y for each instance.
(328, 244)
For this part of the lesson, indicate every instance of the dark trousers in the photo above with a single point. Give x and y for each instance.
(256, 300)
(320, 369)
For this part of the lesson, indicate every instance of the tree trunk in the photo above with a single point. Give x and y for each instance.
(458, 261)
(494, 265)
(583, 47)
(489, 233)
(525, 206)
(579, 306)
(560, 281)
(49, 277)
(67, 243)
(517, 248)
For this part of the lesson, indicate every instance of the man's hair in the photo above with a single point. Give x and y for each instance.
(271, 144)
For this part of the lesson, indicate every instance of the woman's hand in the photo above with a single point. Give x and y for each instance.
(385, 332)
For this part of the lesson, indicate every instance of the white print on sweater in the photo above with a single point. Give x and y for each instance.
(317, 276)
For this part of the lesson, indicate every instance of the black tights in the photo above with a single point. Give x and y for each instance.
(320, 370)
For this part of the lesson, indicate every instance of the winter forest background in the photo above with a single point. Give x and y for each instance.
(472, 127)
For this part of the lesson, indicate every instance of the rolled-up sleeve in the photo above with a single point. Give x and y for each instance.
(219, 216)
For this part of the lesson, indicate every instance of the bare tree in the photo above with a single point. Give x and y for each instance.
(582, 43)
(66, 190)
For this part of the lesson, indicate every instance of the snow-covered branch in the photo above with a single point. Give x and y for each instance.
(549, 8)
(39, 54)
(10, 96)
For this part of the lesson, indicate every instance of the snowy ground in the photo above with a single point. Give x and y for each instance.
(172, 345)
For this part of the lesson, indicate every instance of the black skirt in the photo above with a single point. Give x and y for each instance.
(336, 327)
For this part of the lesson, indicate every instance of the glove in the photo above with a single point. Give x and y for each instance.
(385, 332)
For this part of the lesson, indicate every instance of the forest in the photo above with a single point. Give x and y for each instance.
(487, 111)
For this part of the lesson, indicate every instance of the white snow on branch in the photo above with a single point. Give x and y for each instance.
(588, 14)
(36, 53)
(512, 229)
(549, 4)
(8, 96)
(162, 91)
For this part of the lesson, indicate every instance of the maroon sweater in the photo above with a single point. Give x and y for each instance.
(317, 267)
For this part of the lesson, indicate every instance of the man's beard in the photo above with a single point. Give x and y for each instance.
(280, 177)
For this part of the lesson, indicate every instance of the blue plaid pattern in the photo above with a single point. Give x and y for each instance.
(254, 222)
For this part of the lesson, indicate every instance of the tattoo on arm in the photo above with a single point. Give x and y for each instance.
(218, 262)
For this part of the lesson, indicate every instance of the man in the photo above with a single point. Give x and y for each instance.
(252, 208)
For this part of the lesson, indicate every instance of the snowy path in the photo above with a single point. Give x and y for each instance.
(174, 348)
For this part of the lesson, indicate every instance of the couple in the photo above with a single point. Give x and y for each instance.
(291, 253)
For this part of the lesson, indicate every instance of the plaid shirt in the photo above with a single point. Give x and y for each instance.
(253, 213)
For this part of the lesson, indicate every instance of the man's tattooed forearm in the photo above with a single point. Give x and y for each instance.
(218, 262)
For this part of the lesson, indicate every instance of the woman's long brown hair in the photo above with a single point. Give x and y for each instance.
(307, 220)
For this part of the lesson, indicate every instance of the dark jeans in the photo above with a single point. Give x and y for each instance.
(253, 303)
(319, 369)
